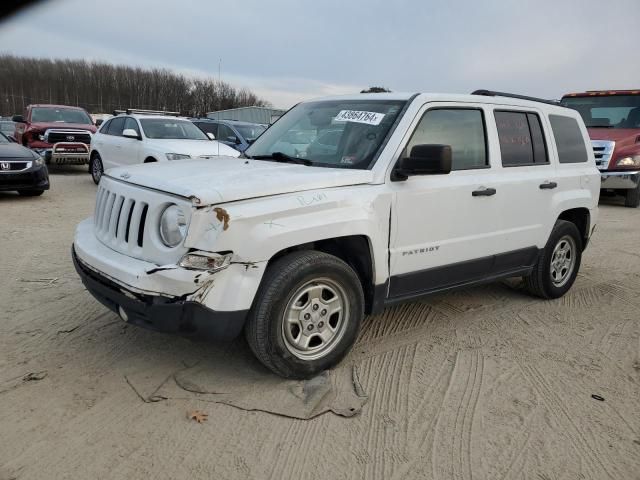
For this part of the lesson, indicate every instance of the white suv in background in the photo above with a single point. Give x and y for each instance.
(131, 138)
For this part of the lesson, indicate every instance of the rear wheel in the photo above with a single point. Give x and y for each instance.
(306, 314)
(558, 265)
(30, 193)
(96, 168)
(632, 197)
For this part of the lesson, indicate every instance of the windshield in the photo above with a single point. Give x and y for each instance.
(613, 111)
(7, 127)
(61, 115)
(339, 133)
(250, 132)
(163, 128)
(4, 139)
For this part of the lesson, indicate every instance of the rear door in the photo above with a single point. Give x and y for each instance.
(110, 143)
(528, 179)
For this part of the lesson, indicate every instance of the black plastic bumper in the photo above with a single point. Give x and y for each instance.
(162, 314)
(36, 178)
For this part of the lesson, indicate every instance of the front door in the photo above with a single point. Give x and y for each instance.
(447, 229)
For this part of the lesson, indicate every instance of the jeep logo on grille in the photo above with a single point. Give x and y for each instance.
(70, 138)
(4, 166)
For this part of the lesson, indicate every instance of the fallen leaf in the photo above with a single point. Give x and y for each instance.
(198, 416)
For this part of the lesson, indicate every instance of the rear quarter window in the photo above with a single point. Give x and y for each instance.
(569, 139)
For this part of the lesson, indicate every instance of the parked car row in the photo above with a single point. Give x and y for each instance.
(69, 135)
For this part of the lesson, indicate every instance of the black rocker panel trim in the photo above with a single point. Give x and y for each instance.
(480, 270)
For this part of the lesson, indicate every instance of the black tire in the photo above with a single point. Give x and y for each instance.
(30, 193)
(96, 169)
(632, 197)
(541, 281)
(266, 331)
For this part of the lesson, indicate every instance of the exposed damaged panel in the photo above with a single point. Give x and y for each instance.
(223, 216)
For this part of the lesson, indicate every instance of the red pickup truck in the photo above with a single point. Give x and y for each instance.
(612, 118)
(59, 133)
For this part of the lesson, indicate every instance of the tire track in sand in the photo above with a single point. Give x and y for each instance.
(557, 408)
(464, 392)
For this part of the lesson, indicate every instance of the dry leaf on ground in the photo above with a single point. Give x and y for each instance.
(198, 416)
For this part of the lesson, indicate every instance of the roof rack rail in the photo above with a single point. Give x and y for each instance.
(490, 93)
(129, 111)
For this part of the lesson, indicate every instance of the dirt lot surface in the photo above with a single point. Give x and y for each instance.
(487, 383)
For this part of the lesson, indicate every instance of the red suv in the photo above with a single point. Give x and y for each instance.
(60, 134)
(613, 120)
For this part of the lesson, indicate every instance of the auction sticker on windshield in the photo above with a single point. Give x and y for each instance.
(370, 118)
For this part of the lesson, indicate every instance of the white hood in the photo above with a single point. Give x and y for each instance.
(225, 179)
(195, 148)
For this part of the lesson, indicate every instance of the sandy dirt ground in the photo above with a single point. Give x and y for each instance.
(487, 383)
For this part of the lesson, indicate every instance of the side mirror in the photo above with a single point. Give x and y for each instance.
(18, 119)
(99, 122)
(130, 133)
(211, 136)
(424, 160)
(233, 138)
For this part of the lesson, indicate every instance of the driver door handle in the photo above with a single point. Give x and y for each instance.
(484, 192)
(548, 185)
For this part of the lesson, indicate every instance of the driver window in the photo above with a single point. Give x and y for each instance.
(461, 128)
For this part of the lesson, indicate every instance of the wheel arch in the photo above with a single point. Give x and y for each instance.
(150, 159)
(581, 218)
(355, 250)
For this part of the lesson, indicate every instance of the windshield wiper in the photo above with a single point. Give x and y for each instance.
(284, 158)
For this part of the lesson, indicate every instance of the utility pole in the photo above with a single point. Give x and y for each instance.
(219, 84)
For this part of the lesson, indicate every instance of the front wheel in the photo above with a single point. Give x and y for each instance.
(96, 168)
(632, 197)
(306, 314)
(558, 265)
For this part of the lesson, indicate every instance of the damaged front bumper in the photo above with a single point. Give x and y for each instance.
(163, 314)
(167, 298)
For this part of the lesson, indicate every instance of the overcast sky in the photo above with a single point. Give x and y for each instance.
(290, 50)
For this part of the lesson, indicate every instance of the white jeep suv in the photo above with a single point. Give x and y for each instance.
(422, 193)
(130, 138)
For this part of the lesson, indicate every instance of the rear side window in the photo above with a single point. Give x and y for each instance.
(104, 129)
(116, 126)
(569, 139)
(461, 128)
(521, 139)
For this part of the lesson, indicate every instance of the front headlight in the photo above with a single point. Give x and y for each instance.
(177, 156)
(39, 161)
(629, 161)
(173, 226)
(212, 262)
(41, 138)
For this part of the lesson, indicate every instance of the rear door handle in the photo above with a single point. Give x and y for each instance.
(548, 185)
(484, 192)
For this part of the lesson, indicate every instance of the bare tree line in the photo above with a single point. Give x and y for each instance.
(102, 87)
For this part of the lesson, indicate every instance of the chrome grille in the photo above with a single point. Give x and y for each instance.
(120, 220)
(126, 219)
(78, 136)
(602, 150)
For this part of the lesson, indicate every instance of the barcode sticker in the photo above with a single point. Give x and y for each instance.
(370, 118)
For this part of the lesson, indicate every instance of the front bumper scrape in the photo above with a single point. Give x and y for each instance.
(163, 314)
